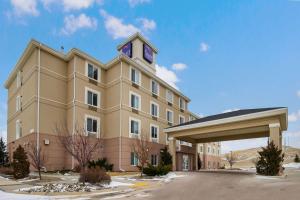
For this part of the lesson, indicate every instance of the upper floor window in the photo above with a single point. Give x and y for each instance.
(201, 148)
(154, 109)
(208, 149)
(169, 96)
(154, 133)
(181, 119)
(181, 104)
(154, 87)
(92, 97)
(135, 101)
(154, 159)
(19, 79)
(135, 127)
(18, 129)
(170, 116)
(135, 76)
(18, 103)
(92, 72)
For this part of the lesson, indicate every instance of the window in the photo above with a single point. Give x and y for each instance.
(208, 149)
(181, 104)
(92, 124)
(92, 72)
(201, 148)
(154, 159)
(154, 109)
(18, 103)
(169, 96)
(134, 159)
(135, 101)
(92, 97)
(19, 79)
(213, 150)
(154, 87)
(135, 127)
(135, 76)
(169, 116)
(18, 129)
(181, 119)
(154, 132)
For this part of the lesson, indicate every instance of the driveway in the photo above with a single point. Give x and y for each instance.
(204, 185)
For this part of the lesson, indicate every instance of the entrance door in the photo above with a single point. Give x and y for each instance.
(185, 162)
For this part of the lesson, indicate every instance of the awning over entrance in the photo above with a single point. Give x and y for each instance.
(236, 125)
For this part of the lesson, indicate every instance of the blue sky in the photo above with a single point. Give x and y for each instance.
(224, 55)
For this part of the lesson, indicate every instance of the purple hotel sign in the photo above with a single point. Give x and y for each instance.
(147, 53)
(127, 49)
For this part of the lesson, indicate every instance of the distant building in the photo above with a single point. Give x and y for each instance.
(210, 155)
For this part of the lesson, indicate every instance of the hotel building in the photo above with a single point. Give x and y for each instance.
(116, 102)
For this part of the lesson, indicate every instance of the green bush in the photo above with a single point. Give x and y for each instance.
(165, 157)
(159, 170)
(101, 163)
(20, 163)
(269, 161)
(296, 160)
(94, 175)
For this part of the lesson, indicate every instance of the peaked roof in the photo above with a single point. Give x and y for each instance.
(134, 36)
(227, 115)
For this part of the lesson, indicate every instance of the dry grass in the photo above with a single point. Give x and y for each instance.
(123, 173)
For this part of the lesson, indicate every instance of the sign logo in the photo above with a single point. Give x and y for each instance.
(127, 49)
(147, 53)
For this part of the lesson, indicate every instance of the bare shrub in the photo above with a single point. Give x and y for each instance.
(94, 175)
(37, 157)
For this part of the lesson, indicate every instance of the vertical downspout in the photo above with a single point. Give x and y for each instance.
(38, 99)
(120, 137)
(74, 99)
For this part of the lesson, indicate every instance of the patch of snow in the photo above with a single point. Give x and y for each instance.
(67, 174)
(61, 187)
(13, 196)
(267, 177)
(292, 165)
(114, 184)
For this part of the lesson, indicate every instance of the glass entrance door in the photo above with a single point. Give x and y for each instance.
(185, 162)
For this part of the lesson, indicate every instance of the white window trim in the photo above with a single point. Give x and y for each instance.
(18, 125)
(140, 100)
(181, 116)
(172, 116)
(167, 91)
(93, 91)
(152, 102)
(181, 99)
(133, 135)
(154, 139)
(140, 75)
(135, 155)
(152, 88)
(98, 124)
(87, 71)
(18, 103)
(19, 79)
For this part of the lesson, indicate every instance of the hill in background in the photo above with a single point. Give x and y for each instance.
(246, 157)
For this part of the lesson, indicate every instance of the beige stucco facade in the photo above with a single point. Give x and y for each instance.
(49, 88)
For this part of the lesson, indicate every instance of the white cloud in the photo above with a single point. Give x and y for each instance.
(295, 116)
(24, 7)
(230, 110)
(69, 5)
(147, 24)
(116, 28)
(134, 3)
(167, 75)
(204, 47)
(73, 23)
(298, 93)
(179, 66)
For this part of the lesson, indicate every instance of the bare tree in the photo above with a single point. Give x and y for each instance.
(141, 148)
(231, 158)
(37, 157)
(79, 145)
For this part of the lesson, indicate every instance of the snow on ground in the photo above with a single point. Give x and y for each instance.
(13, 196)
(292, 165)
(114, 184)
